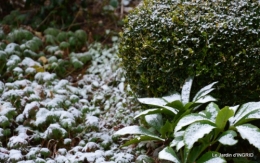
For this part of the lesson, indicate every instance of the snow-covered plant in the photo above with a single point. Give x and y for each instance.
(213, 126)
(166, 113)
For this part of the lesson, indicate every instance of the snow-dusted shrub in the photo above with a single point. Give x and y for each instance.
(165, 41)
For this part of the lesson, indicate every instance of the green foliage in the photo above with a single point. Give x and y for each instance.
(25, 46)
(168, 111)
(165, 41)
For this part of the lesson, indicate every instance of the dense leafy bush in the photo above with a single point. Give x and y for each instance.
(165, 41)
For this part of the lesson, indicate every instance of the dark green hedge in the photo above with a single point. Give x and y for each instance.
(166, 41)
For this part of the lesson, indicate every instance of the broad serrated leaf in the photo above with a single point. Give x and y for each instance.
(244, 110)
(228, 138)
(155, 121)
(211, 157)
(196, 131)
(189, 119)
(204, 91)
(223, 116)
(168, 154)
(186, 89)
(137, 130)
(251, 133)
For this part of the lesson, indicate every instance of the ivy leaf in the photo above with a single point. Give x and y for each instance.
(168, 154)
(223, 116)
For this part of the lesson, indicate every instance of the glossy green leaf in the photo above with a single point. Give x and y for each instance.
(223, 116)
(167, 128)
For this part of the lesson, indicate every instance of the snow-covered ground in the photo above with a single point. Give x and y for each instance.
(46, 119)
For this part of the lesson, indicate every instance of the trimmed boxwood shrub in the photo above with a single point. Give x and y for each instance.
(165, 41)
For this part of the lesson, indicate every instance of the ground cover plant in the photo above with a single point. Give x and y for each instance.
(47, 118)
(165, 41)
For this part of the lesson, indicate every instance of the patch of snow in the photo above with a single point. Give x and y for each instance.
(28, 62)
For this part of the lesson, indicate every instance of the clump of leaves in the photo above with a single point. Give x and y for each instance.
(168, 110)
(25, 46)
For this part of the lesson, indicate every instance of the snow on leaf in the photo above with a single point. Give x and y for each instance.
(251, 133)
(30, 107)
(28, 62)
(138, 130)
(92, 121)
(152, 101)
(204, 91)
(196, 131)
(189, 119)
(15, 155)
(173, 97)
(245, 109)
(227, 138)
(168, 154)
(41, 116)
(205, 99)
(185, 93)
(212, 111)
(154, 120)
(54, 131)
